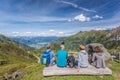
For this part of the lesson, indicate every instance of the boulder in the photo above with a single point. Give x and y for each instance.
(18, 74)
(2, 62)
(13, 76)
(91, 49)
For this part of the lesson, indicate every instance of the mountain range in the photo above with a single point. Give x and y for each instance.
(109, 38)
(4, 39)
(36, 42)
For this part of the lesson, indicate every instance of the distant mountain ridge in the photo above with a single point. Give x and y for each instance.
(105, 37)
(36, 42)
(32, 40)
(4, 39)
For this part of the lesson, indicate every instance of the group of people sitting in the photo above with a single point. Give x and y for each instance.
(83, 60)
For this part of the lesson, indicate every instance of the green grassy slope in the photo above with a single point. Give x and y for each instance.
(14, 56)
(15, 59)
(103, 37)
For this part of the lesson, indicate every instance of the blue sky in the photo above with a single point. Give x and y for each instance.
(57, 17)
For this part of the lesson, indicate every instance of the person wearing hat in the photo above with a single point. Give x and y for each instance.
(98, 58)
(62, 57)
(82, 58)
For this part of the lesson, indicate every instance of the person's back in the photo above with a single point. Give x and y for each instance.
(98, 58)
(83, 59)
(48, 56)
(51, 55)
(62, 58)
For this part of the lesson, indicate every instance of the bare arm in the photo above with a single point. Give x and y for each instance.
(93, 57)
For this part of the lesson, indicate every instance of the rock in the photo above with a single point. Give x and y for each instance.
(18, 74)
(13, 76)
(7, 77)
(91, 49)
(2, 62)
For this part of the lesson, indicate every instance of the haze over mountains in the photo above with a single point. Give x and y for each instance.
(36, 42)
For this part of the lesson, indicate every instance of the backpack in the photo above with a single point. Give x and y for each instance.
(45, 59)
(71, 61)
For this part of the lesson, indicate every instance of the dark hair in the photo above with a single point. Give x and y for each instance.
(98, 49)
(48, 47)
(62, 42)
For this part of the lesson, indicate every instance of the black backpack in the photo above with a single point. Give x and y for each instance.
(71, 61)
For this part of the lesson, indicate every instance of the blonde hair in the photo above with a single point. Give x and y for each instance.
(82, 47)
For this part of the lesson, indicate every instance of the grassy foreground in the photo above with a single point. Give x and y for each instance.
(35, 73)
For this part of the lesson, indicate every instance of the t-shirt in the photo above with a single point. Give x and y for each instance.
(62, 58)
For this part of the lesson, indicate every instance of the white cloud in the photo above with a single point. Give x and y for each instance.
(97, 29)
(69, 3)
(55, 33)
(97, 17)
(61, 32)
(69, 20)
(28, 32)
(75, 6)
(51, 30)
(29, 18)
(15, 32)
(81, 18)
(44, 33)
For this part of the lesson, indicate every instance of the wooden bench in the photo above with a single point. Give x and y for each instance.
(91, 70)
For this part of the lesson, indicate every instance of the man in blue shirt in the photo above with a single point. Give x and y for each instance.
(62, 57)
